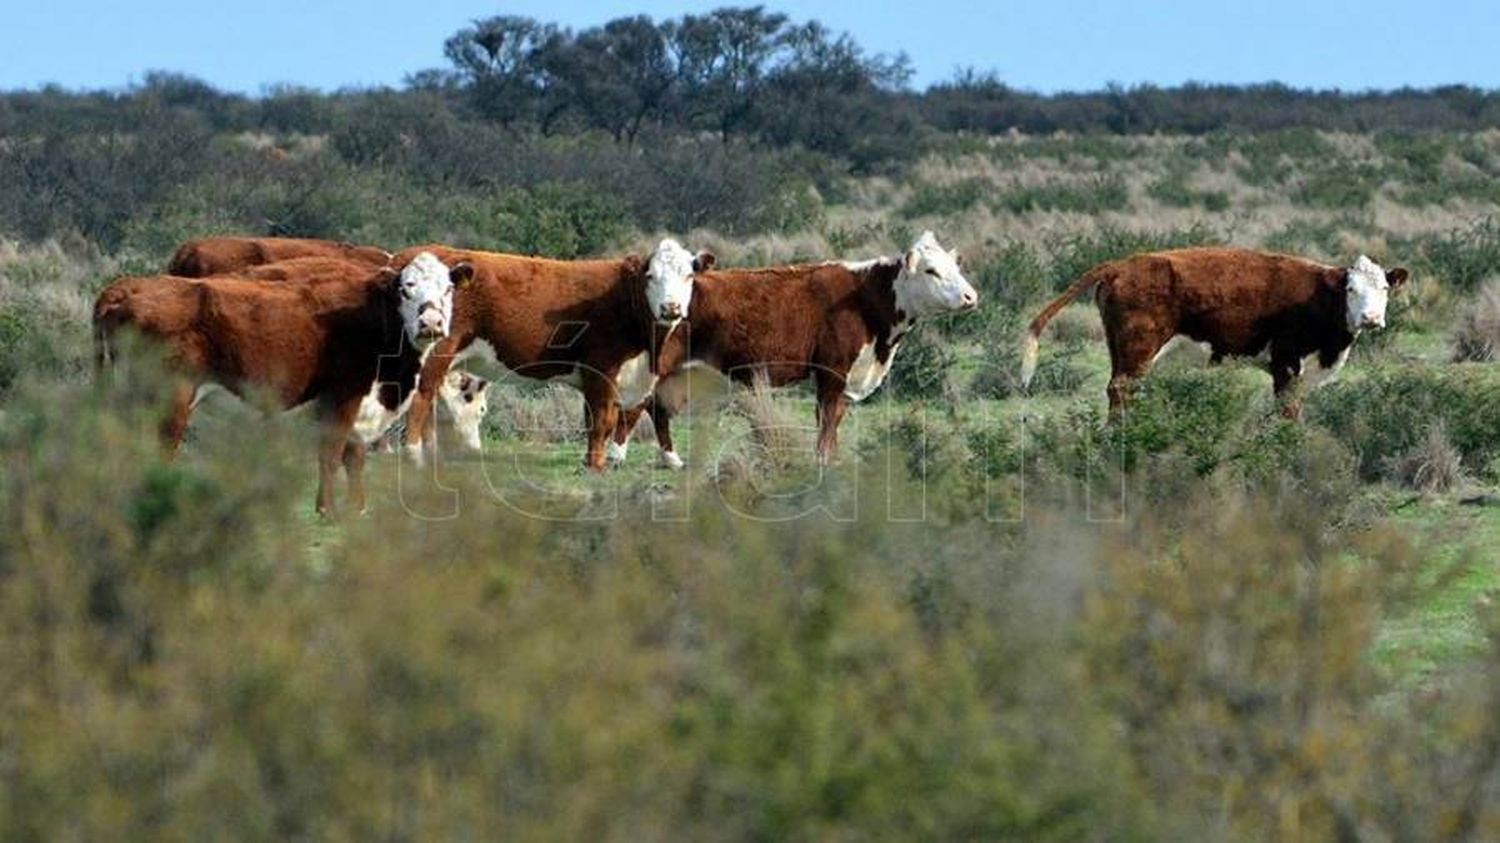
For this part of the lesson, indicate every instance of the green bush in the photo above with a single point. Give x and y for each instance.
(557, 221)
(1385, 412)
(1461, 259)
(1073, 255)
(1339, 187)
(945, 199)
(1104, 193)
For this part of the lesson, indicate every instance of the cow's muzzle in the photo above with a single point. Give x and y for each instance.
(669, 311)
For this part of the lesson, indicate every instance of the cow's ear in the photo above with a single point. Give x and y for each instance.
(911, 260)
(633, 265)
(704, 261)
(461, 273)
(1396, 277)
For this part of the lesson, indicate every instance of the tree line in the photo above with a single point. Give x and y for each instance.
(736, 73)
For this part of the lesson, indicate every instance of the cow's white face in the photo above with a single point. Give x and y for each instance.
(669, 280)
(425, 290)
(931, 280)
(1368, 288)
(466, 398)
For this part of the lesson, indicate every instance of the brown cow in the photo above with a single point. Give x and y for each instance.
(590, 322)
(838, 323)
(222, 255)
(321, 340)
(462, 394)
(1237, 301)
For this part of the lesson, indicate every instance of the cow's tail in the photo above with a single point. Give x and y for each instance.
(1031, 343)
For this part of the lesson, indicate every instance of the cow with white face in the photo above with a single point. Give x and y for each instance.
(669, 280)
(838, 323)
(1294, 312)
(466, 398)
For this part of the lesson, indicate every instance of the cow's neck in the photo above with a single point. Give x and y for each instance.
(887, 322)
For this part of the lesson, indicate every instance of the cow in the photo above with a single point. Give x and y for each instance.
(591, 323)
(1239, 302)
(838, 323)
(463, 395)
(223, 255)
(325, 341)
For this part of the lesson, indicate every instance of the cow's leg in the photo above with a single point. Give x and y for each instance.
(831, 407)
(619, 444)
(419, 421)
(1286, 373)
(174, 423)
(1132, 348)
(602, 414)
(354, 469)
(337, 428)
(661, 419)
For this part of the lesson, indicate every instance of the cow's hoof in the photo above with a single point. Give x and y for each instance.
(669, 459)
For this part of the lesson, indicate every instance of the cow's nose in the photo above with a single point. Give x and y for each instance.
(970, 300)
(671, 310)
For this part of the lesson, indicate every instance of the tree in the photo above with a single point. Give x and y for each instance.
(497, 57)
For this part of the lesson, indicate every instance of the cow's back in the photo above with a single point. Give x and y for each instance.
(1233, 299)
(780, 320)
(538, 310)
(220, 255)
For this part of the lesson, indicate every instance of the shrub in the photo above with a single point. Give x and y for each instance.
(1386, 412)
(1103, 193)
(945, 199)
(1476, 337)
(1463, 259)
(1431, 465)
(1072, 255)
(557, 221)
(923, 367)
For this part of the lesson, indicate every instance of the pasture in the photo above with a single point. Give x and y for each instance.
(995, 614)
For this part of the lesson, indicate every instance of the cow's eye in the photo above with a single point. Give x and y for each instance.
(932, 272)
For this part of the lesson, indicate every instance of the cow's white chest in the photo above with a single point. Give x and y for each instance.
(374, 419)
(635, 380)
(867, 373)
(1323, 376)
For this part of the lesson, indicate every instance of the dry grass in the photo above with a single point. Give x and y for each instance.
(1476, 337)
(1433, 465)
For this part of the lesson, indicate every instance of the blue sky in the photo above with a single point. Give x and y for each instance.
(1047, 45)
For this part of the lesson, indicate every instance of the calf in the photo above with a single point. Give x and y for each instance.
(1238, 302)
(838, 323)
(222, 255)
(592, 323)
(322, 341)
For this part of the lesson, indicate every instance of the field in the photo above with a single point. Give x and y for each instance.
(995, 615)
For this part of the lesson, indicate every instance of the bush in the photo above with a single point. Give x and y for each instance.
(1103, 193)
(1476, 337)
(945, 199)
(1385, 413)
(557, 221)
(1463, 259)
(1073, 255)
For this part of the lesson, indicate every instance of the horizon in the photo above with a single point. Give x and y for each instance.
(1164, 44)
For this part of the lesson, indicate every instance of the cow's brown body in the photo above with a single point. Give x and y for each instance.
(320, 339)
(789, 324)
(1240, 303)
(545, 319)
(221, 255)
